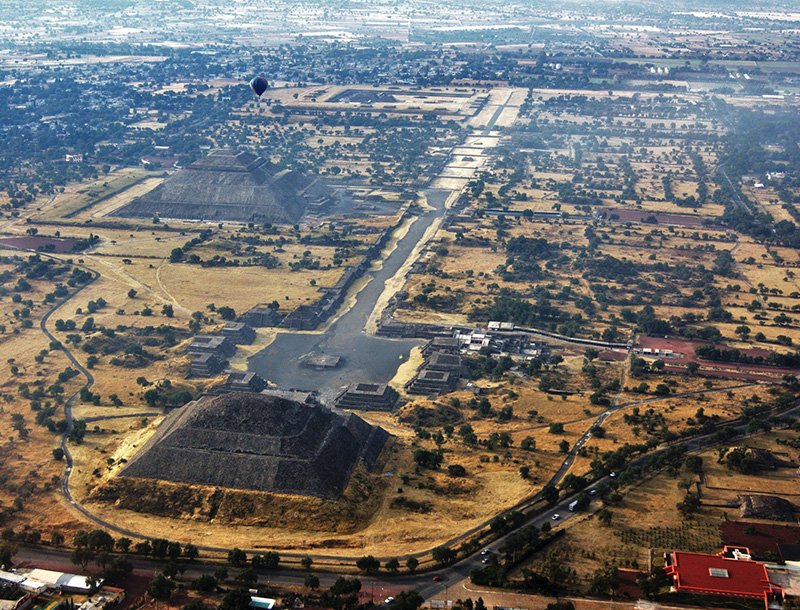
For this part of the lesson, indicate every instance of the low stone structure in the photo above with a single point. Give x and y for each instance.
(367, 396)
(440, 372)
(447, 345)
(441, 361)
(206, 364)
(760, 506)
(262, 317)
(239, 333)
(430, 382)
(318, 360)
(244, 381)
(212, 344)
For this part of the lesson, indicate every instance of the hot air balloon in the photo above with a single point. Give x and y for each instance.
(259, 84)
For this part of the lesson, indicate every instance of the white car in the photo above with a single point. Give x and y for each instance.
(613, 474)
(389, 600)
(485, 552)
(556, 517)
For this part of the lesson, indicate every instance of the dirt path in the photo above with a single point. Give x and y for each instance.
(167, 292)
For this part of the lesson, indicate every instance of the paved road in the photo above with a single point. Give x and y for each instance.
(365, 358)
(385, 583)
(737, 200)
(352, 324)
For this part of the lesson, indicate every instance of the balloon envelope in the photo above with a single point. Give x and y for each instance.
(259, 84)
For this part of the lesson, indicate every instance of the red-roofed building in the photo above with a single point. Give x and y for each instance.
(763, 539)
(730, 573)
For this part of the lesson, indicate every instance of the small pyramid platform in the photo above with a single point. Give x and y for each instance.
(242, 440)
(231, 186)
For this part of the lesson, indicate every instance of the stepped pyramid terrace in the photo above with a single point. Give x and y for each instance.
(256, 442)
(232, 186)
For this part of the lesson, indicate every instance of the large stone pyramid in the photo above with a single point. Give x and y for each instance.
(232, 186)
(251, 441)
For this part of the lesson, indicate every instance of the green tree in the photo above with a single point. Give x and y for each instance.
(81, 556)
(412, 563)
(311, 581)
(550, 494)
(694, 463)
(428, 459)
(205, 583)
(221, 574)
(160, 548)
(161, 588)
(7, 552)
(368, 564)
(443, 555)
(407, 600)
(247, 577)
(237, 557)
(100, 540)
(604, 581)
(226, 313)
(266, 561)
(143, 548)
(119, 566)
(236, 599)
(561, 605)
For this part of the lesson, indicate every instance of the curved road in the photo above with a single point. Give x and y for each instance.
(386, 583)
(525, 505)
(422, 583)
(71, 400)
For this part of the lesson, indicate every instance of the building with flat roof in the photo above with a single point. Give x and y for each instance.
(38, 581)
(261, 603)
(730, 573)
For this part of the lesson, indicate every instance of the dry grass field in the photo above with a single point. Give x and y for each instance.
(646, 523)
(418, 509)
